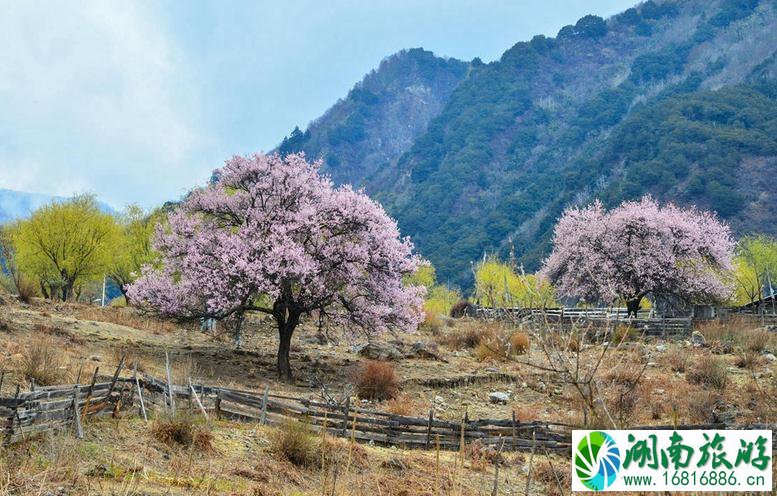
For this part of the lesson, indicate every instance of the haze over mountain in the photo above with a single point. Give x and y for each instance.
(677, 99)
(19, 204)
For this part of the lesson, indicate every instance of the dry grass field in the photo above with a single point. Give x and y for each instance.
(451, 367)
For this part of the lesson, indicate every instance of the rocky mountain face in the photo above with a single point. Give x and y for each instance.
(676, 99)
(361, 137)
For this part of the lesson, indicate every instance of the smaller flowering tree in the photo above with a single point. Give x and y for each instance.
(640, 248)
(271, 235)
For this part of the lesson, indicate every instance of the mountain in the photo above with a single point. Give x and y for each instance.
(676, 99)
(18, 204)
(361, 137)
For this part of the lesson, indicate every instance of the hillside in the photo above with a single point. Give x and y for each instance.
(450, 370)
(361, 137)
(670, 98)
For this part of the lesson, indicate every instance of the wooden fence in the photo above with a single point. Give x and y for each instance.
(366, 425)
(65, 407)
(61, 407)
(595, 319)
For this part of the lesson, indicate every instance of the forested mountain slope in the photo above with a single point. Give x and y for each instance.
(361, 137)
(674, 98)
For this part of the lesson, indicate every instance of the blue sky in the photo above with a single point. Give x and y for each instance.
(138, 101)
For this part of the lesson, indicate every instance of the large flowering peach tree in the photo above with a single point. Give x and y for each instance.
(272, 235)
(637, 249)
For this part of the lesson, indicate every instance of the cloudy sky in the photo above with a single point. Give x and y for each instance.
(138, 101)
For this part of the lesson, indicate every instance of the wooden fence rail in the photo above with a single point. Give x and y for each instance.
(60, 407)
(595, 319)
(366, 425)
(65, 407)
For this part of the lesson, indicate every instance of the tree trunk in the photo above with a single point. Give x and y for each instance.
(287, 322)
(45, 291)
(239, 331)
(284, 364)
(123, 289)
(633, 305)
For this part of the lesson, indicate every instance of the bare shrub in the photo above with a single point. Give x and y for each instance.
(581, 368)
(677, 360)
(182, 429)
(709, 371)
(482, 455)
(701, 406)
(622, 333)
(551, 476)
(26, 289)
(431, 323)
(565, 341)
(623, 404)
(519, 343)
(621, 376)
(527, 413)
(723, 334)
(462, 309)
(493, 347)
(468, 336)
(377, 380)
(41, 361)
(747, 359)
(756, 340)
(401, 405)
(657, 410)
(295, 442)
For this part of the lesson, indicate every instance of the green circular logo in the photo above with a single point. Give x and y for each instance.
(597, 460)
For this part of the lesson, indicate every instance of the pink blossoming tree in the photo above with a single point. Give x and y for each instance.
(640, 248)
(271, 235)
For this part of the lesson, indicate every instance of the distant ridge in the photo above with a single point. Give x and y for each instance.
(19, 204)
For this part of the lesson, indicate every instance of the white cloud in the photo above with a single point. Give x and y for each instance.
(94, 97)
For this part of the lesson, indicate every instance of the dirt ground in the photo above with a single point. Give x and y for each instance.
(130, 463)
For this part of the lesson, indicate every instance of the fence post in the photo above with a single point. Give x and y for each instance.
(77, 414)
(217, 406)
(89, 394)
(197, 399)
(13, 417)
(169, 383)
(515, 434)
(119, 400)
(531, 460)
(346, 411)
(140, 396)
(116, 375)
(263, 418)
(429, 428)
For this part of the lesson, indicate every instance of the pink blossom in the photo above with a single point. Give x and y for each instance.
(272, 235)
(640, 248)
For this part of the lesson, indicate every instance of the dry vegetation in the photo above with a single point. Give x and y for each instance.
(635, 381)
(376, 380)
(182, 429)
